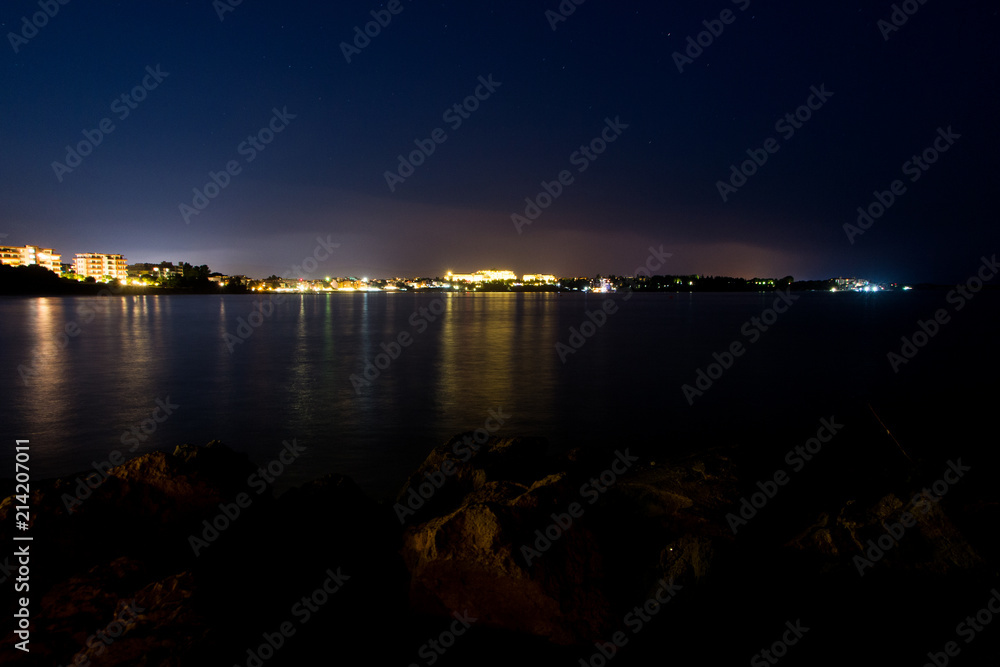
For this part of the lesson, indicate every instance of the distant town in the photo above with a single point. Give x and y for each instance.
(114, 269)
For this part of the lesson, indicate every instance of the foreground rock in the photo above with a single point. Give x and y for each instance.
(549, 554)
(95, 549)
(556, 548)
(115, 580)
(542, 546)
(889, 535)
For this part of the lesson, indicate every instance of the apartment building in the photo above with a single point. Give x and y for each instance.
(98, 265)
(31, 254)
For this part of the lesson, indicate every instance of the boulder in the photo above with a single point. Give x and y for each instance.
(499, 539)
(933, 545)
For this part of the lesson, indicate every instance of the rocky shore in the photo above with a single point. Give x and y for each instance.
(496, 553)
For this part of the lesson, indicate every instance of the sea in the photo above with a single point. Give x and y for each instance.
(368, 383)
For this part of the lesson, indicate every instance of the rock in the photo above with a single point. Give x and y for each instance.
(502, 545)
(933, 545)
(471, 560)
(95, 548)
(154, 491)
(445, 476)
(689, 558)
(158, 627)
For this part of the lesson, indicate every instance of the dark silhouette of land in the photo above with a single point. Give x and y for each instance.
(39, 281)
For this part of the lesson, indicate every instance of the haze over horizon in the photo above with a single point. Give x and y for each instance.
(533, 92)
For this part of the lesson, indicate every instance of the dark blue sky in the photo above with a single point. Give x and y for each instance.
(323, 175)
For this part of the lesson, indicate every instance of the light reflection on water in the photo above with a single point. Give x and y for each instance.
(291, 378)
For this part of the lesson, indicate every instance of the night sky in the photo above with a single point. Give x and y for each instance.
(323, 175)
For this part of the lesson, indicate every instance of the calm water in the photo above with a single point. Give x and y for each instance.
(292, 377)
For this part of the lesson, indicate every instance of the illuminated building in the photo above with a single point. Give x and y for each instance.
(481, 276)
(153, 272)
(29, 255)
(498, 274)
(98, 265)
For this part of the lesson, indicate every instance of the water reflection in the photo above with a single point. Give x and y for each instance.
(42, 376)
(491, 349)
(289, 376)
